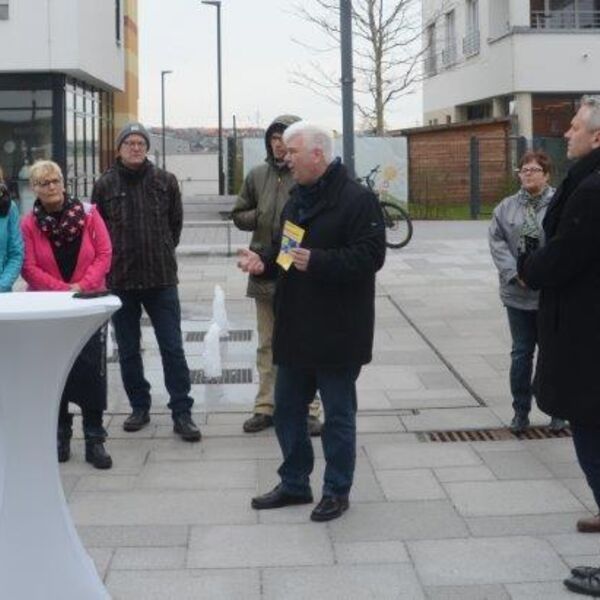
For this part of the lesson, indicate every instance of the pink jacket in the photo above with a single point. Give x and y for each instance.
(40, 270)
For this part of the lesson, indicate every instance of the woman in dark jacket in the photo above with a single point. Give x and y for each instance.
(67, 247)
(567, 271)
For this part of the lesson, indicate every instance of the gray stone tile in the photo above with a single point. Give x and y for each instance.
(574, 543)
(418, 484)
(184, 585)
(484, 561)
(167, 508)
(199, 475)
(554, 590)
(161, 558)
(397, 521)
(102, 559)
(516, 465)
(457, 418)
(479, 498)
(472, 592)
(523, 524)
(106, 483)
(416, 456)
(478, 473)
(368, 424)
(352, 582)
(133, 536)
(252, 546)
(371, 552)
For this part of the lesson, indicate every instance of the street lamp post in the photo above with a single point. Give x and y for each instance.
(162, 107)
(217, 3)
(347, 84)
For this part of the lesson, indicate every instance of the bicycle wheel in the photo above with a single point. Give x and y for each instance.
(398, 226)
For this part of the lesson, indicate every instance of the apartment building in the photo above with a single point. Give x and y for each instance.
(68, 79)
(527, 60)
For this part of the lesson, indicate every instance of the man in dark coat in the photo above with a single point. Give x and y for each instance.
(324, 316)
(141, 205)
(258, 209)
(567, 271)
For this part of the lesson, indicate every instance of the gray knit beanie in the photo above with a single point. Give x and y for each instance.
(131, 128)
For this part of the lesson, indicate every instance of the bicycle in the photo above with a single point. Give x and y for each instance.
(398, 224)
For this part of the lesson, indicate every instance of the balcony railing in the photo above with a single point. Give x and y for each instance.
(449, 55)
(559, 19)
(471, 43)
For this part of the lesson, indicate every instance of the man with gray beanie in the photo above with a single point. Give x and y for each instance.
(141, 205)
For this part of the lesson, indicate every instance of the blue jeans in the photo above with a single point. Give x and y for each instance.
(523, 330)
(294, 390)
(586, 439)
(162, 306)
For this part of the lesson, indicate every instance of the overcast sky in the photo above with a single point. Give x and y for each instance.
(258, 56)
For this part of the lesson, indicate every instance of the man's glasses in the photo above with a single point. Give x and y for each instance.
(135, 144)
(529, 170)
(48, 182)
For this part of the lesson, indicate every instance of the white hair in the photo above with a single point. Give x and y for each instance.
(314, 136)
(593, 119)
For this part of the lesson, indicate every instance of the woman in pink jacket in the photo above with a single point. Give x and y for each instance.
(67, 247)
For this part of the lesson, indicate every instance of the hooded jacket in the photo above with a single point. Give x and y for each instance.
(264, 193)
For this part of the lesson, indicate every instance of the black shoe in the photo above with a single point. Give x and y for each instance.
(277, 498)
(588, 585)
(96, 454)
(330, 507)
(557, 425)
(185, 428)
(258, 422)
(64, 449)
(314, 426)
(139, 418)
(520, 423)
(585, 571)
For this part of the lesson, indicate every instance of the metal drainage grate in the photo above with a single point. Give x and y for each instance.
(228, 376)
(238, 335)
(490, 435)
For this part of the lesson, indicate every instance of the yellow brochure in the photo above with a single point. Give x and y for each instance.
(291, 237)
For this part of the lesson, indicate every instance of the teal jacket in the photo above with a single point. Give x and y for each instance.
(11, 249)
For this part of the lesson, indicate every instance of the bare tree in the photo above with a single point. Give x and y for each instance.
(387, 53)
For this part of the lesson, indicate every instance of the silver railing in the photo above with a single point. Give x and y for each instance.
(471, 43)
(562, 19)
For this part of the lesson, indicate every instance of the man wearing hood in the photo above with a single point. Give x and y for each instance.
(258, 209)
(141, 206)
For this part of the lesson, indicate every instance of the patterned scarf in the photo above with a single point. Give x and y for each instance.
(63, 228)
(530, 228)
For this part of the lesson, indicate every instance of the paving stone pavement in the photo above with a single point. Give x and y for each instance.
(467, 520)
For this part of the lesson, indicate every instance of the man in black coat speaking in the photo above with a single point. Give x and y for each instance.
(332, 244)
(567, 271)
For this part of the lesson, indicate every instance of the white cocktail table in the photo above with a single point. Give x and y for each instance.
(41, 557)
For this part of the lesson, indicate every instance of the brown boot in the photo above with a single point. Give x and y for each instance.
(589, 524)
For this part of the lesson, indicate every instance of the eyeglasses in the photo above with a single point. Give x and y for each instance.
(529, 170)
(48, 182)
(135, 144)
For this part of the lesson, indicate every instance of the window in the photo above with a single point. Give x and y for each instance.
(118, 21)
(471, 39)
(3, 10)
(430, 59)
(449, 52)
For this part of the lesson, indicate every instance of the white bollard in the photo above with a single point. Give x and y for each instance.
(219, 312)
(211, 355)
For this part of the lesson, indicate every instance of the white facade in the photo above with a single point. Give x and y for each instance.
(505, 54)
(76, 37)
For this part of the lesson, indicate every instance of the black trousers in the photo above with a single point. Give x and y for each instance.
(86, 386)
